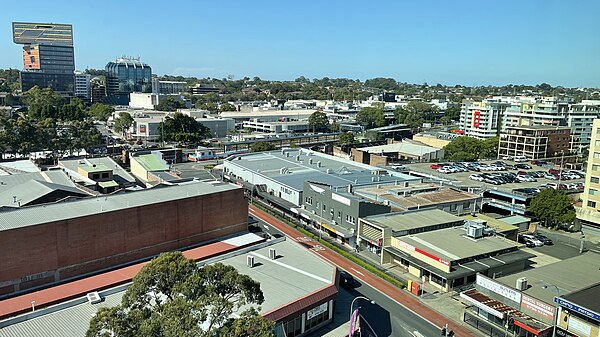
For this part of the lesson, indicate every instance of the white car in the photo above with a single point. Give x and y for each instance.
(445, 170)
(476, 177)
(533, 240)
(507, 158)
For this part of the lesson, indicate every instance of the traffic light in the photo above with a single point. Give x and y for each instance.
(443, 331)
(451, 333)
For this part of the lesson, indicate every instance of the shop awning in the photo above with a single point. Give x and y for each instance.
(326, 223)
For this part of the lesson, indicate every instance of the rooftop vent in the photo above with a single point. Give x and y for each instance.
(298, 158)
(94, 297)
(319, 163)
(272, 254)
(310, 161)
(328, 171)
(250, 261)
(522, 283)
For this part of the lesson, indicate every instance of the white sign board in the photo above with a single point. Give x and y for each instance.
(498, 288)
(341, 199)
(316, 311)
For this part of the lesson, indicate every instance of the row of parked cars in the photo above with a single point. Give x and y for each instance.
(535, 240)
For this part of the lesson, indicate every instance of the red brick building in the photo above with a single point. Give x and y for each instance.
(54, 242)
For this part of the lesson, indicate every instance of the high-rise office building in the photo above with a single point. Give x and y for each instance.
(48, 56)
(127, 75)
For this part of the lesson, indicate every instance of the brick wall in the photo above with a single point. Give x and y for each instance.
(75, 246)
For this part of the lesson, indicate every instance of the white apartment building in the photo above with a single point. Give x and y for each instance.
(168, 87)
(82, 85)
(480, 119)
(589, 212)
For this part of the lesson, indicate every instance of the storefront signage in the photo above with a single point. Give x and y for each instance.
(329, 228)
(412, 248)
(574, 307)
(498, 288)
(482, 306)
(580, 327)
(316, 311)
(537, 306)
(341, 199)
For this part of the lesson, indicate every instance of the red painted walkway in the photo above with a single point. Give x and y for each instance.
(398, 295)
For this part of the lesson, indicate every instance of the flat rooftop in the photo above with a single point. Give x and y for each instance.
(587, 298)
(333, 171)
(29, 216)
(418, 195)
(119, 173)
(401, 147)
(497, 224)
(453, 244)
(150, 162)
(310, 274)
(412, 220)
(568, 275)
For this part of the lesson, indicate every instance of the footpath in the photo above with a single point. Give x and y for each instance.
(400, 296)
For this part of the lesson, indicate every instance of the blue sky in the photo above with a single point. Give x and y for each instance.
(449, 42)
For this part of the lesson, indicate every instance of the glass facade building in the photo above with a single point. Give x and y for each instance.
(127, 75)
(48, 56)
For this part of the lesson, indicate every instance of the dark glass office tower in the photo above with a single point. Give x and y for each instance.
(127, 75)
(48, 56)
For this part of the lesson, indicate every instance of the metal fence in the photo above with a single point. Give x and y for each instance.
(483, 325)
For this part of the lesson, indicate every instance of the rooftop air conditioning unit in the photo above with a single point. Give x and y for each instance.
(522, 283)
(250, 261)
(94, 297)
(475, 231)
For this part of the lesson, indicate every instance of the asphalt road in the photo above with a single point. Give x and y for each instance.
(388, 317)
(195, 169)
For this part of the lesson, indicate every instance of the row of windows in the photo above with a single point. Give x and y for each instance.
(293, 327)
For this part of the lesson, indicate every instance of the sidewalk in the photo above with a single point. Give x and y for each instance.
(406, 299)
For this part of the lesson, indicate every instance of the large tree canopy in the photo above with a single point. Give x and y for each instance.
(468, 149)
(261, 146)
(553, 208)
(183, 129)
(318, 121)
(371, 117)
(172, 296)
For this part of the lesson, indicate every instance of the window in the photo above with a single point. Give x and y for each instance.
(466, 205)
(293, 327)
(308, 200)
(595, 167)
(452, 207)
(595, 180)
(316, 316)
(331, 212)
(597, 143)
(324, 208)
(596, 155)
(339, 214)
(591, 203)
(593, 191)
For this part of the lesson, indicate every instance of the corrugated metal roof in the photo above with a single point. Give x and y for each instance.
(30, 216)
(23, 194)
(410, 220)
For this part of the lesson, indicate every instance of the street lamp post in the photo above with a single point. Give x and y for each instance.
(357, 298)
(545, 286)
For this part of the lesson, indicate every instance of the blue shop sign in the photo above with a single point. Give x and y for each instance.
(572, 306)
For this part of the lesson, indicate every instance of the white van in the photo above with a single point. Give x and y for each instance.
(520, 159)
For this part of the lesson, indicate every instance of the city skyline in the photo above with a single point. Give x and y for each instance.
(436, 42)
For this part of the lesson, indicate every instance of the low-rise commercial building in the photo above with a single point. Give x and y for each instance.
(336, 212)
(395, 152)
(409, 196)
(100, 174)
(282, 174)
(69, 239)
(579, 313)
(451, 257)
(151, 169)
(524, 303)
(169, 87)
(277, 127)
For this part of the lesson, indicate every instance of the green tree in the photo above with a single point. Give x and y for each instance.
(226, 107)
(261, 146)
(123, 122)
(169, 104)
(101, 111)
(42, 103)
(463, 149)
(489, 147)
(318, 121)
(183, 129)
(346, 139)
(452, 113)
(172, 296)
(553, 208)
(370, 117)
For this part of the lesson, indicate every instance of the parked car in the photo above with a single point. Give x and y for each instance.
(522, 166)
(520, 159)
(526, 178)
(476, 177)
(550, 176)
(545, 240)
(492, 181)
(507, 157)
(435, 166)
(522, 173)
(525, 238)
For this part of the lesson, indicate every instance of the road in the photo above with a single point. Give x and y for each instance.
(397, 313)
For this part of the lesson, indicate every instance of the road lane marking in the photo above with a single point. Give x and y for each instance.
(356, 271)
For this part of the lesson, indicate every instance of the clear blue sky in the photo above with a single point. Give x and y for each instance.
(449, 42)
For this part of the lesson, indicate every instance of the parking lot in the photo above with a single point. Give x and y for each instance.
(461, 179)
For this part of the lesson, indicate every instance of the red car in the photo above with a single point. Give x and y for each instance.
(436, 166)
